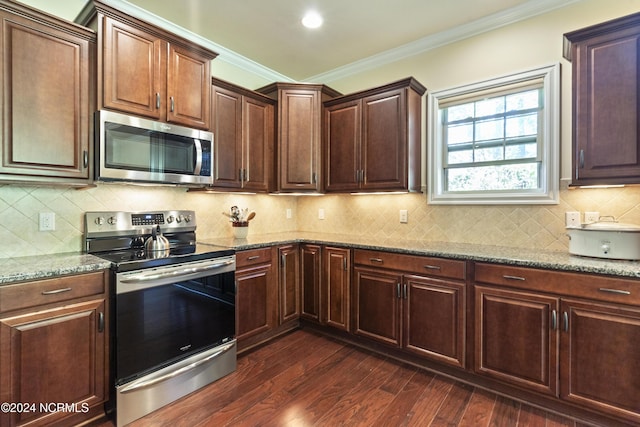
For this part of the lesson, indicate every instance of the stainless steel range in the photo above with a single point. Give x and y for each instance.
(173, 307)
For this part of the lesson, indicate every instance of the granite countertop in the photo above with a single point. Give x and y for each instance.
(538, 258)
(45, 266)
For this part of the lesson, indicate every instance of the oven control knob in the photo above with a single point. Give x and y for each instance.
(112, 220)
(180, 218)
(99, 220)
(170, 219)
(188, 218)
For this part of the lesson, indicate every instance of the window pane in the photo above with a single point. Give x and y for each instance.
(500, 177)
(522, 125)
(462, 156)
(523, 100)
(490, 129)
(521, 151)
(460, 112)
(489, 107)
(459, 133)
(489, 154)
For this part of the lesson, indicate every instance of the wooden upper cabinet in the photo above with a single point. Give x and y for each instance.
(143, 70)
(372, 139)
(47, 97)
(243, 128)
(299, 134)
(606, 92)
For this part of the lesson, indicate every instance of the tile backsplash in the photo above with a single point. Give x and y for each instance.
(529, 226)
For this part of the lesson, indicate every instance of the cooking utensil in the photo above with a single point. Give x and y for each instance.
(251, 216)
(157, 246)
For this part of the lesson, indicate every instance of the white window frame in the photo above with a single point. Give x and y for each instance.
(548, 193)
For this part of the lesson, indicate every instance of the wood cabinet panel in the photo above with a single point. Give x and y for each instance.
(288, 276)
(378, 305)
(227, 129)
(439, 267)
(47, 98)
(256, 300)
(600, 358)
(515, 340)
(310, 279)
(188, 88)
(343, 138)
(434, 319)
(336, 288)
(606, 92)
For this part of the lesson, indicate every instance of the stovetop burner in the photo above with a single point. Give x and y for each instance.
(120, 237)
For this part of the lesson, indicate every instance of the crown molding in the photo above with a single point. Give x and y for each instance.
(519, 13)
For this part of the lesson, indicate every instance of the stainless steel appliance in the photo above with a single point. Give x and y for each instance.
(135, 149)
(172, 312)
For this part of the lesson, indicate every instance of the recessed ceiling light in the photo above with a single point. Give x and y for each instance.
(312, 20)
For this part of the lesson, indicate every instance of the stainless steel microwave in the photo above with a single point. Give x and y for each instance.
(134, 149)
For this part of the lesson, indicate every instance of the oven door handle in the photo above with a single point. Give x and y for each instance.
(148, 382)
(179, 273)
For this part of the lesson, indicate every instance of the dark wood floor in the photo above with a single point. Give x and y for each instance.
(304, 379)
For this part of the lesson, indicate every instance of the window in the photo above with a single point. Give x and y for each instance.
(496, 142)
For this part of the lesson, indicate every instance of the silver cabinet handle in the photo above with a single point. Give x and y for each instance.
(565, 321)
(344, 264)
(101, 322)
(615, 291)
(506, 276)
(554, 320)
(378, 260)
(432, 267)
(398, 290)
(405, 292)
(173, 103)
(85, 159)
(56, 291)
(157, 100)
(254, 257)
(581, 159)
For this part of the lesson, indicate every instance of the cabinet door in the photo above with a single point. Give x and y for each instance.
(227, 129)
(256, 301)
(134, 70)
(299, 154)
(53, 356)
(336, 290)
(310, 279)
(257, 148)
(600, 358)
(288, 276)
(517, 338)
(434, 319)
(378, 304)
(606, 95)
(342, 138)
(45, 95)
(384, 141)
(188, 88)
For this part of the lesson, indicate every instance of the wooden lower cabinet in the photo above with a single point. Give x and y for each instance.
(515, 338)
(600, 357)
(417, 313)
(336, 288)
(288, 279)
(310, 279)
(256, 294)
(54, 354)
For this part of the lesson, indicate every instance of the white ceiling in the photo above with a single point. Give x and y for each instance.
(355, 32)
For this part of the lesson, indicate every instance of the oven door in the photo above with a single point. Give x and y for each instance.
(169, 313)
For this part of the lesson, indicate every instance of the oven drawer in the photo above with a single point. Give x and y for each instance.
(32, 294)
(253, 257)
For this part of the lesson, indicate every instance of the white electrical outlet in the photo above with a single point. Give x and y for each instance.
(590, 217)
(320, 213)
(47, 221)
(404, 216)
(289, 215)
(572, 219)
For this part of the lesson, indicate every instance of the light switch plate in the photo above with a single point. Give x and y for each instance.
(320, 213)
(404, 216)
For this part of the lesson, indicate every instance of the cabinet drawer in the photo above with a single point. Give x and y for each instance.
(253, 257)
(602, 288)
(32, 294)
(430, 266)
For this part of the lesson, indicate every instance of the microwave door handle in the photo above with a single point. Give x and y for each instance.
(198, 166)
